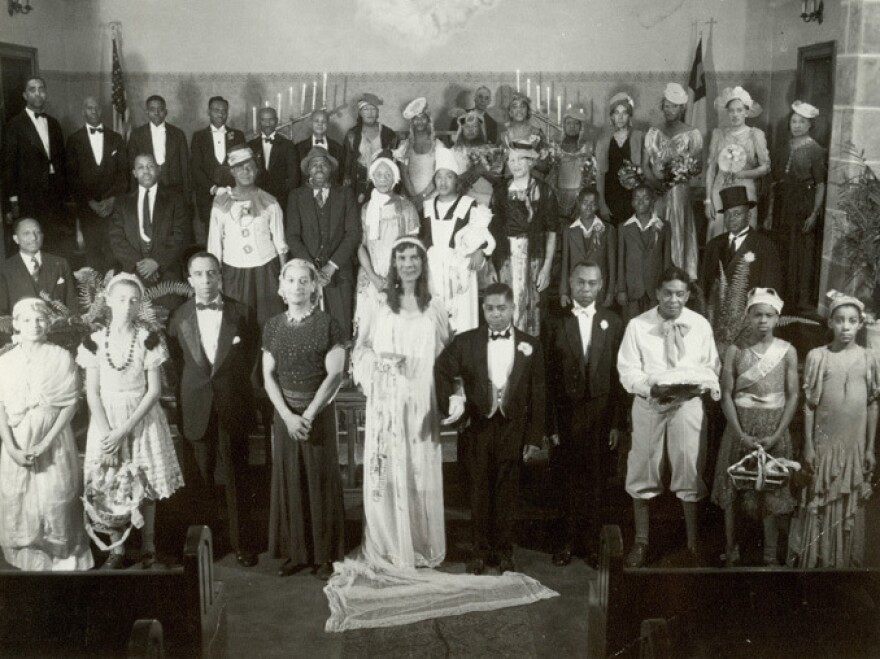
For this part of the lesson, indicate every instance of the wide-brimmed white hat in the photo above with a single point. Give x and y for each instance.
(415, 107)
(805, 109)
(728, 94)
(675, 93)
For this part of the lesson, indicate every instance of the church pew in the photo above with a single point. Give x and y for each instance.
(92, 614)
(755, 612)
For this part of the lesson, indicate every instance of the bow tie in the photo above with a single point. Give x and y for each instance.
(99, 129)
(499, 335)
(40, 115)
(269, 140)
(222, 129)
(212, 306)
(586, 312)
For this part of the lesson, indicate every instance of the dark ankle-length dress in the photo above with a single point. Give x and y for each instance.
(306, 511)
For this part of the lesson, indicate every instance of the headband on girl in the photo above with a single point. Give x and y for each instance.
(767, 296)
(409, 240)
(125, 276)
(837, 300)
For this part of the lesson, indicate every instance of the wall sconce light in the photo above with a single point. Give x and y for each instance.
(812, 11)
(18, 7)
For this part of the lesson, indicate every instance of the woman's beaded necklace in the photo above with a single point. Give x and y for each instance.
(130, 351)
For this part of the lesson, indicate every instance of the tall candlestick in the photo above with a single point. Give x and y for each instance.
(302, 101)
(255, 119)
(529, 87)
(517, 81)
(290, 99)
(538, 97)
(548, 100)
(278, 109)
(559, 110)
(314, 93)
(324, 92)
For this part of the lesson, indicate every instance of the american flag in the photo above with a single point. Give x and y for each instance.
(120, 108)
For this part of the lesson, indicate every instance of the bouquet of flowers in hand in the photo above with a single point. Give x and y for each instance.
(731, 161)
(630, 175)
(486, 155)
(588, 173)
(680, 169)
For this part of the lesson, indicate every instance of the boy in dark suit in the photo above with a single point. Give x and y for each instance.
(213, 341)
(588, 238)
(644, 251)
(585, 408)
(32, 271)
(503, 373)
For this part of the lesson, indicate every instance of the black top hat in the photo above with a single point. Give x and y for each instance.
(735, 196)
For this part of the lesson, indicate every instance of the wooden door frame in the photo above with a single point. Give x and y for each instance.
(815, 51)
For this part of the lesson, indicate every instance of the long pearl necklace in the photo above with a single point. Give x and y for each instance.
(130, 350)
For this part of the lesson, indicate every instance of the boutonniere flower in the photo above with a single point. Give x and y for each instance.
(603, 324)
(524, 348)
(236, 340)
(229, 136)
(60, 281)
(749, 257)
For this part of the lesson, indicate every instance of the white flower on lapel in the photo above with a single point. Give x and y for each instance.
(236, 340)
(603, 324)
(60, 281)
(749, 257)
(524, 348)
(114, 153)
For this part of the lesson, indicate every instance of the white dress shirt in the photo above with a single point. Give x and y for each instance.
(219, 137)
(152, 193)
(653, 222)
(500, 359)
(323, 143)
(267, 147)
(29, 261)
(158, 134)
(642, 356)
(209, 329)
(737, 240)
(96, 139)
(42, 126)
(584, 317)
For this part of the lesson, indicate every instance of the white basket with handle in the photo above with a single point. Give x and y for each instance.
(760, 471)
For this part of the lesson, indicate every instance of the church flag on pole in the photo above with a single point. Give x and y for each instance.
(697, 80)
(120, 107)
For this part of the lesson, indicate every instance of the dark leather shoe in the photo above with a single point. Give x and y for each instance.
(289, 568)
(114, 562)
(246, 557)
(637, 555)
(592, 559)
(562, 558)
(476, 566)
(506, 564)
(148, 559)
(324, 571)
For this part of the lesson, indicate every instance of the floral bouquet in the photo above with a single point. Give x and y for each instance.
(112, 500)
(588, 173)
(731, 161)
(486, 155)
(681, 169)
(630, 175)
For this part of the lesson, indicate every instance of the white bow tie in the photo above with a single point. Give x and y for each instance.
(586, 312)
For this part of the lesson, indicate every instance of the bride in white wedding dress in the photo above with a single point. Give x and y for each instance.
(384, 582)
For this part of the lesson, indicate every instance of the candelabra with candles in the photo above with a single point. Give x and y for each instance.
(18, 7)
(304, 111)
(811, 10)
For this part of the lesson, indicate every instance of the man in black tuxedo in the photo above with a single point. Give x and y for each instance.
(210, 173)
(213, 341)
(585, 411)
(166, 143)
(488, 126)
(33, 271)
(34, 167)
(320, 124)
(148, 227)
(97, 170)
(277, 159)
(503, 373)
(324, 227)
(740, 244)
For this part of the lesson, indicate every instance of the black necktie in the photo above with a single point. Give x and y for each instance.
(211, 306)
(499, 335)
(319, 197)
(269, 140)
(40, 115)
(99, 129)
(35, 269)
(148, 222)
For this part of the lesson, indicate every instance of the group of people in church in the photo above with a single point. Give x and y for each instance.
(422, 269)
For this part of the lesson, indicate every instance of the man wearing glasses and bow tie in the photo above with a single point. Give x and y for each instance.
(668, 360)
(277, 158)
(34, 173)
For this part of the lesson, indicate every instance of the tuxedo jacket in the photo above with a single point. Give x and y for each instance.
(26, 164)
(174, 172)
(55, 279)
(223, 387)
(766, 270)
(282, 176)
(489, 124)
(206, 171)
(170, 220)
(572, 377)
(336, 241)
(467, 357)
(335, 150)
(89, 181)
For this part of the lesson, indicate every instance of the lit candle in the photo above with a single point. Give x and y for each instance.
(278, 109)
(302, 101)
(324, 92)
(314, 93)
(265, 104)
(517, 81)
(559, 110)
(255, 119)
(537, 97)
(290, 98)
(548, 101)
(529, 87)
(803, 6)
